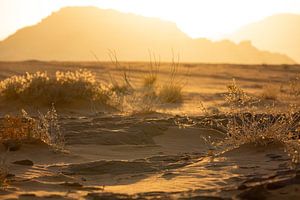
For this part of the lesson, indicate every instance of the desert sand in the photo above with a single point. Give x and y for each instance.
(114, 155)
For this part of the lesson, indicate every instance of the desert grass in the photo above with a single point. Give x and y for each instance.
(63, 88)
(151, 78)
(270, 92)
(151, 94)
(45, 128)
(171, 91)
(294, 86)
(125, 86)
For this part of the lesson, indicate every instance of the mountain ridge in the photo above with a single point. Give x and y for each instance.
(72, 33)
(282, 31)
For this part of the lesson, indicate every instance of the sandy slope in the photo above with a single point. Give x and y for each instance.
(112, 156)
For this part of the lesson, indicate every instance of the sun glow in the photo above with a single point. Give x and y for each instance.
(212, 19)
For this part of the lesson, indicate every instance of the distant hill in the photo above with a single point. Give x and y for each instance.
(279, 33)
(74, 32)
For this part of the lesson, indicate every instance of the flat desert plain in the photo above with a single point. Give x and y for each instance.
(150, 150)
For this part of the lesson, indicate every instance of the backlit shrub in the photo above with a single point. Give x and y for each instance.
(45, 127)
(64, 87)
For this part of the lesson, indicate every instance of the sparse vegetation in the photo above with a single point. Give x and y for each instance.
(151, 94)
(81, 86)
(45, 128)
(243, 126)
(16, 130)
(258, 128)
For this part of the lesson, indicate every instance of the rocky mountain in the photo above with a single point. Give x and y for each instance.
(278, 33)
(76, 33)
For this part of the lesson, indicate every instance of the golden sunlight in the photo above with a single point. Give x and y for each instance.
(149, 99)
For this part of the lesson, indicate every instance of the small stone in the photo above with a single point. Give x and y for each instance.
(27, 195)
(24, 162)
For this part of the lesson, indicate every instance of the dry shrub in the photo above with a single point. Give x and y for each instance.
(44, 128)
(236, 96)
(270, 92)
(247, 126)
(65, 87)
(242, 125)
(18, 129)
(294, 86)
(243, 128)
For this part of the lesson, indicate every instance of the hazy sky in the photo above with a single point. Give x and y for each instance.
(198, 18)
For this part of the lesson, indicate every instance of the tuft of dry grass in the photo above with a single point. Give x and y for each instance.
(125, 87)
(270, 92)
(171, 91)
(150, 79)
(294, 86)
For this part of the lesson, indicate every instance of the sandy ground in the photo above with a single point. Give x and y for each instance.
(114, 156)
